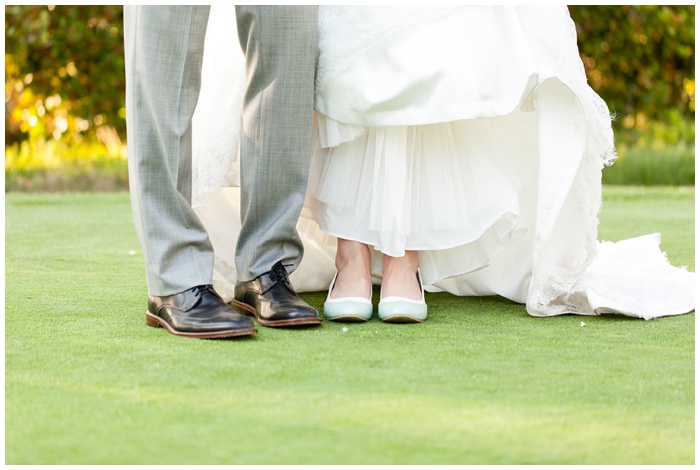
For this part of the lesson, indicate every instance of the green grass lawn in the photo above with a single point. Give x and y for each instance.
(481, 382)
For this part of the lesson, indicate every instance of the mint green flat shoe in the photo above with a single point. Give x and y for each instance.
(401, 310)
(347, 309)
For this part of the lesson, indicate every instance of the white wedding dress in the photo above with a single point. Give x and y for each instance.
(468, 133)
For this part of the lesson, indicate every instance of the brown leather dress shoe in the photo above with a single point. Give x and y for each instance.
(197, 313)
(273, 300)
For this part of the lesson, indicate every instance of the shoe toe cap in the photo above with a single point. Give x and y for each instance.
(360, 308)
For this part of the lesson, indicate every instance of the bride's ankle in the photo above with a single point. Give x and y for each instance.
(400, 276)
(351, 254)
(353, 262)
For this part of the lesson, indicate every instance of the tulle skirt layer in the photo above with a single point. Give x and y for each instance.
(447, 190)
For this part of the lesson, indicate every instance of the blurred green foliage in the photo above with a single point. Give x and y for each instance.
(59, 165)
(672, 165)
(639, 59)
(64, 72)
(64, 77)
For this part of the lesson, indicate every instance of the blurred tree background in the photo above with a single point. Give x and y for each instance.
(65, 125)
(641, 61)
(64, 93)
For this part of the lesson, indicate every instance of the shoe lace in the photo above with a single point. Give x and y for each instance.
(278, 273)
(203, 289)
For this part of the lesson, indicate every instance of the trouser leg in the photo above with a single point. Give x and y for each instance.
(280, 43)
(163, 52)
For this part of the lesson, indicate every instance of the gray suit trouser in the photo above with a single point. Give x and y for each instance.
(163, 51)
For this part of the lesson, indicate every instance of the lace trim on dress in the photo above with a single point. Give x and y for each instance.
(216, 124)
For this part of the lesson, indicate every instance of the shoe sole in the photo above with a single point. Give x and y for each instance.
(401, 319)
(249, 310)
(157, 322)
(348, 318)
